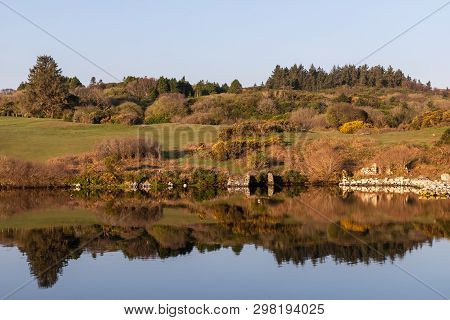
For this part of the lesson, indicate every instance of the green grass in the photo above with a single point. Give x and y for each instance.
(42, 139)
(424, 136)
(178, 217)
(50, 218)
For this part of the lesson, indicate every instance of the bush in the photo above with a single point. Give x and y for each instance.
(431, 119)
(445, 138)
(127, 113)
(325, 159)
(204, 177)
(397, 159)
(343, 98)
(165, 108)
(292, 177)
(235, 149)
(67, 115)
(89, 114)
(352, 126)
(201, 118)
(129, 148)
(341, 113)
(257, 161)
(303, 118)
(18, 173)
(267, 106)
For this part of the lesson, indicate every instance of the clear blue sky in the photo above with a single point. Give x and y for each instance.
(220, 41)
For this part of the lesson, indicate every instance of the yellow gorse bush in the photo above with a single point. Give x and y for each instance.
(352, 126)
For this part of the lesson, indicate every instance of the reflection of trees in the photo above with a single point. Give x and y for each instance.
(364, 229)
(48, 251)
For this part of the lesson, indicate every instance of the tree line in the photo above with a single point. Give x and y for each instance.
(297, 77)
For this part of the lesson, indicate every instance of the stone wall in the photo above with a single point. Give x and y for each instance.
(421, 186)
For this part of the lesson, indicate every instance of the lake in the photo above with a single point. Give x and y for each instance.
(294, 244)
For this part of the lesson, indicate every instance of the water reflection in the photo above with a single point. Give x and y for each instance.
(48, 227)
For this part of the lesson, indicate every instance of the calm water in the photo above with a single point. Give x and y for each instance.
(314, 244)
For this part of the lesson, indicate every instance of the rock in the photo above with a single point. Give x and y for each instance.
(145, 186)
(370, 171)
(238, 181)
(270, 179)
(445, 177)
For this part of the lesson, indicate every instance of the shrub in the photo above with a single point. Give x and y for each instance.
(127, 113)
(18, 173)
(165, 108)
(431, 119)
(257, 161)
(445, 138)
(352, 126)
(325, 159)
(204, 177)
(235, 149)
(67, 115)
(267, 106)
(201, 118)
(398, 159)
(343, 98)
(89, 114)
(303, 118)
(129, 148)
(292, 177)
(338, 114)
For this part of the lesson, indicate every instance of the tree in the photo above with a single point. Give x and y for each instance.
(93, 82)
(163, 85)
(73, 83)
(235, 87)
(47, 89)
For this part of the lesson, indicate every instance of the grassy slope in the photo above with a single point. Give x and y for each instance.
(41, 139)
(50, 218)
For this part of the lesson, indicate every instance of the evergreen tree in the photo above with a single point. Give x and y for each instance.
(163, 85)
(235, 86)
(73, 83)
(47, 90)
(93, 82)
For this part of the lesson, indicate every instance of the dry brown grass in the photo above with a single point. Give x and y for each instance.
(324, 159)
(19, 173)
(128, 148)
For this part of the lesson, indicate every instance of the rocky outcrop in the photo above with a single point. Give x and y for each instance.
(239, 181)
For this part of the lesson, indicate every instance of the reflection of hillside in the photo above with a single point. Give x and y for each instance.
(49, 250)
(309, 227)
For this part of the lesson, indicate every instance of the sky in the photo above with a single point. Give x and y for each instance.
(222, 40)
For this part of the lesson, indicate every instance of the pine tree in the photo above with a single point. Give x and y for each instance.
(47, 90)
(163, 85)
(235, 87)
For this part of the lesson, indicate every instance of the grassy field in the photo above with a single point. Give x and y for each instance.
(41, 139)
(50, 218)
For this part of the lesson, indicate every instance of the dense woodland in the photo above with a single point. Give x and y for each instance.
(304, 98)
